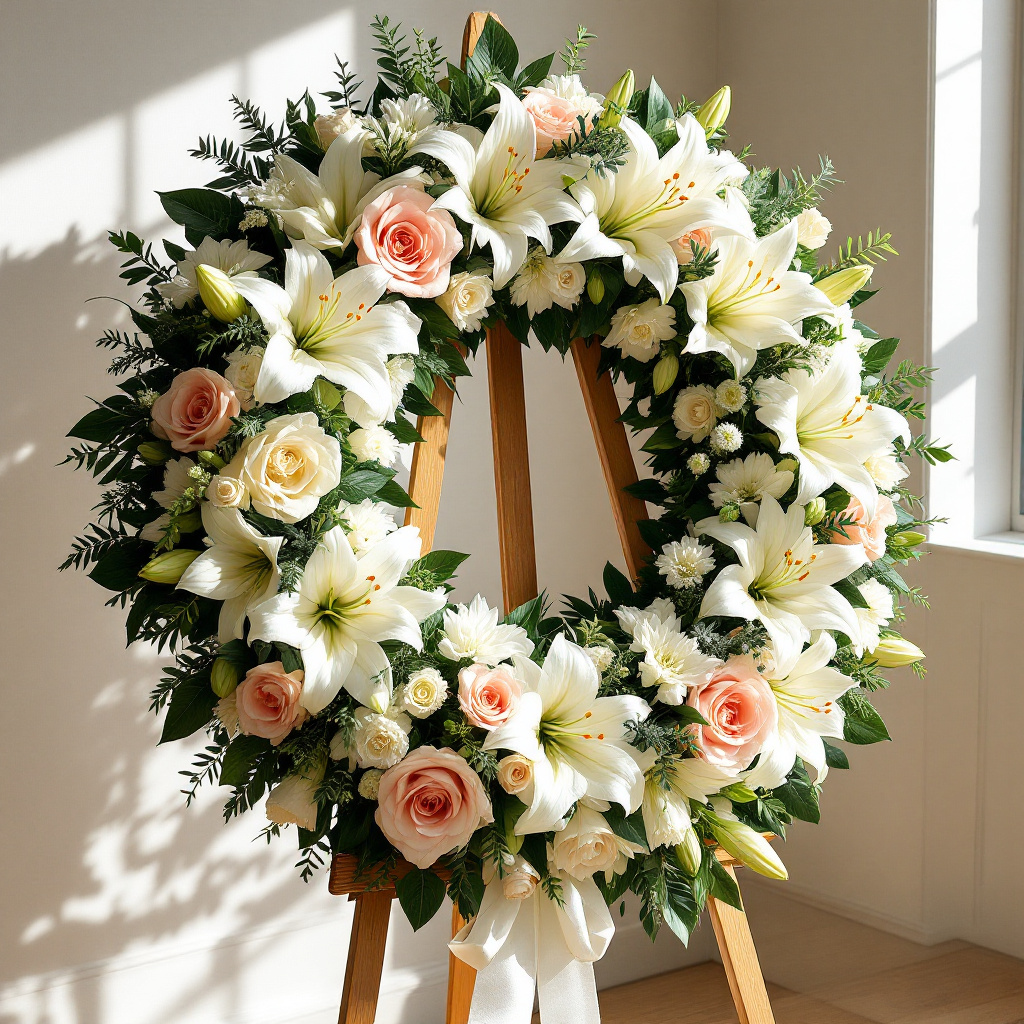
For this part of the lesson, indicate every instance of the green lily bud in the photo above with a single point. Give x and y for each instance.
(595, 286)
(223, 677)
(154, 453)
(189, 522)
(688, 853)
(326, 394)
(169, 567)
(894, 652)
(841, 287)
(665, 373)
(729, 512)
(909, 538)
(211, 459)
(715, 111)
(740, 793)
(219, 295)
(814, 511)
(617, 101)
(747, 846)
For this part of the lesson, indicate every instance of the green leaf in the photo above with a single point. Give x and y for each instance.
(437, 320)
(852, 594)
(835, 757)
(680, 911)
(659, 108)
(442, 563)
(291, 659)
(629, 827)
(535, 72)
(191, 707)
(495, 53)
(203, 212)
(360, 484)
(663, 438)
(863, 723)
(618, 586)
(647, 490)
(238, 759)
(688, 715)
(723, 885)
(877, 357)
(799, 795)
(119, 567)
(404, 432)
(527, 615)
(104, 423)
(395, 494)
(421, 894)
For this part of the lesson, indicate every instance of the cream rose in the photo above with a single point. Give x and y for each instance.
(812, 228)
(695, 412)
(555, 107)
(468, 296)
(289, 467)
(638, 331)
(424, 692)
(488, 696)
(587, 844)
(227, 492)
(196, 410)
(431, 804)
(329, 126)
(293, 800)
(380, 741)
(520, 880)
(242, 370)
(515, 773)
(268, 702)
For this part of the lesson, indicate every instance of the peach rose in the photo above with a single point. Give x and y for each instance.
(195, 412)
(681, 246)
(415, 244)
(869, 533)
(555, 107)
(267, 700)
(431, 804)
(741, 712)
(488, 696)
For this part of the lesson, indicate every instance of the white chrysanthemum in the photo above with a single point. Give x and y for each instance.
(374, 444)
(541, 283)
(473, 631)
(469, 295)
(876, 616)
(886, 470)
(746, 481)
(730, 396)
(726, 438)
(408, 117)
(369, 523)
(369, 784)
(233, 258)
(177, 480)
(638, 331)
(684, 563)
(423, 693)
(698, 464)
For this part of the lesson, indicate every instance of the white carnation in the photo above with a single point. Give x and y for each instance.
(468, 296)
(473, 632)
(380, 741)
(328, 127)
(638, 331)
(423, 693)
(684, 563)
(695, 412)
(368, 522)
(374, 444)
(601, 656)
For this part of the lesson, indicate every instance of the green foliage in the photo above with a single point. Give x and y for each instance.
(876, 248)
(421, 894)
(775, 198)
(572, 53)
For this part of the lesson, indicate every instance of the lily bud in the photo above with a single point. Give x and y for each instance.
(740, 793)
(786, 465)
(617, 101)
(219, 295)
(814, 511)
(895, 652)
(688, 853)
(595, 287)
(223, 677)
(189, 522)
(169, 567)
(841, 287)
(211, 459)
(154, 453)
(326, 394)
(665, 373)
(909, 538)
(715, 111)
(747, 846)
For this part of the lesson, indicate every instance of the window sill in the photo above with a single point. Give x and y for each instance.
(995, 545)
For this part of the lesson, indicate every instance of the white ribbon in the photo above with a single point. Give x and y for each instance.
(522, 946)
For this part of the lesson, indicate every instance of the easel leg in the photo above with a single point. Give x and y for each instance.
(739, 958)
(461, 978)
(365, 956)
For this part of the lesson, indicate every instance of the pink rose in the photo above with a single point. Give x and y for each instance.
(555, 111)
(268, 702)
(488, 696)
(869, 533)
(430, 804)
(741, 712)
(415, 244)
(195, 412)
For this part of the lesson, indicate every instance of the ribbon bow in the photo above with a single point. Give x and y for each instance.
(519, 946)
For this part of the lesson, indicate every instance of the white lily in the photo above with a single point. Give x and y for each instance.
(783, 579)
(239, 568)
(234, 258)
(823, 420)
(651, 201)
(753, 300)
(576, 740)
(666, 808)
(324, 209)
(320, 325)
(501, 189)
(806, 689)
(344, 606)
(473, 632)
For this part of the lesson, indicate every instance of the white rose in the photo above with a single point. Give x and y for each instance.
(369, 784)
(227, 492)
(288, 468)
(292, 800)
(368, 524)
(812, 229)
(380, 741)
(374, 444)
(515, 773)
(329, 126)
(588, 844)
(886, 470)
(520, 880)
(242, 370)
(424, 692)
(468, 296)
(639, 330)
(695, 412)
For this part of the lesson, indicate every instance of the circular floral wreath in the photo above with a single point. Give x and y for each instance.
(342, 263)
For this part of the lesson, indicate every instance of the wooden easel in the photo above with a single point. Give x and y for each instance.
(519, 584)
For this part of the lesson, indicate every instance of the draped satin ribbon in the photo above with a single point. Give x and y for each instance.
(522, 946)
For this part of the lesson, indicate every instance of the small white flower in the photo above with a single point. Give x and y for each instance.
(812, 228)
(145, 398)
(369, 784)
(684, 563)
(369, 523)
(423, 693)
(886, 470)
(601, 656)
(374, 444)
(472, 631)
(253, 219)
(639, 330)
(726, 438)
(541, 283)
(468, 296)
(177, 480)
(745, 481)
(875, 617)
(242, 371)
(695, 412)
(519, 882)
(227, 492)
(730, 396)
(407, 119)
(850, 333)
(233, 258)
(698, 464)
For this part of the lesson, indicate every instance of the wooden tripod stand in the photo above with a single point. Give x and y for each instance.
(519, 584)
